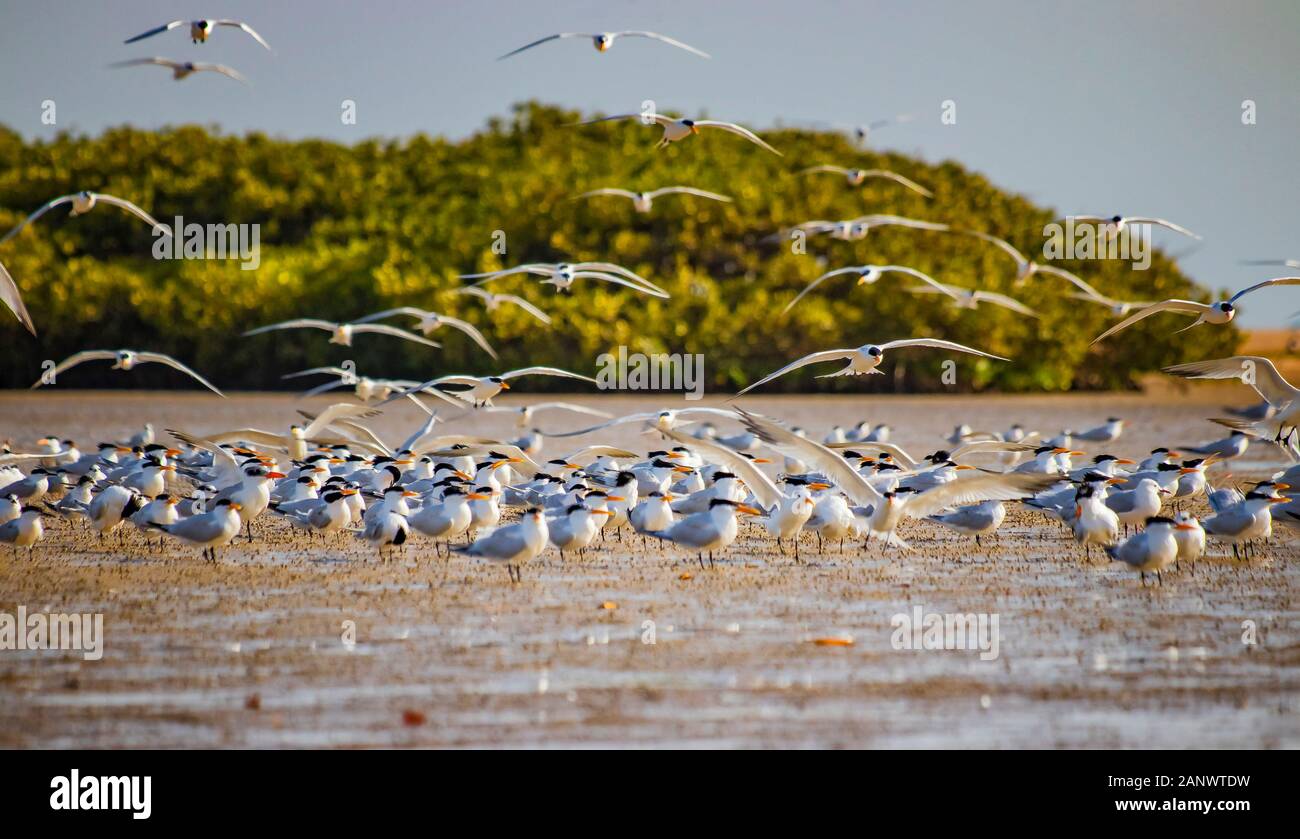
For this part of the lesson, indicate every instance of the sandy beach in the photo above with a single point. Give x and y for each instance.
(255, 650)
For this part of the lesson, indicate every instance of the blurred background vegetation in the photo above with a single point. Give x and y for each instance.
(348, 230)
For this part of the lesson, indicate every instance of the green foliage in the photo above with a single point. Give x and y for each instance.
(347, 230)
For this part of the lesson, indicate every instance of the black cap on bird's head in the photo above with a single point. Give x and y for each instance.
(624, 478)
(1085, 490)
(485, 490)
(573, 508)
(939, 456)
(689, 123)
(1103, 458)
(1116, 219)
(717, 476)
(722, 502)
(1159, 520)
(1167, 467)
(1161, 450)
(886, 467)
(596, 493)
(874, 351)
(496, 380)
(657, 453)
(1093, 477)
(851, 455)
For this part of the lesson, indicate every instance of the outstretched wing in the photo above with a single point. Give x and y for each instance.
(813, 358)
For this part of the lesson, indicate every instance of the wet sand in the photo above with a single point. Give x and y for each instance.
(249, 651)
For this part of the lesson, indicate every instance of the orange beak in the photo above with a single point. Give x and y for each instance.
(748, 510)
(760, 460)
(477, 496)
(615, 498)
(819, 485)
(505, 385)
(276, 475)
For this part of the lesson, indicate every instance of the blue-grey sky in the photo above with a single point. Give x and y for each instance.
(1101, 107)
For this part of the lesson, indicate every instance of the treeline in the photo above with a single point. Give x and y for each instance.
(346, 230)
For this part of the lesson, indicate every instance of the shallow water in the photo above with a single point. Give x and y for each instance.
(1087, 657)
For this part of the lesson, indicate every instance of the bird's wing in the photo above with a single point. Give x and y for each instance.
(938, 344)
(77, 358)
(610, 278)
(813, 358)
(250, 435)
(470, 330)
(1006, 246)
(671, 41)
(739, 130)
(897, 178)
(314, 371)
(759, 483)
(531, 268)
(546, 371)
(1186, 307)
(897, 452)
(300, 323)
(339, 410)
(409, 444)
(222, 69)
(385, 329)
(159, 358)
(609, 190)
(388, 313)
(899, 221)
(688, 190)
(1006, 303)
(568, 406)
(641, 417)
(852, 269)
(325, 387)
(825, 167)
(1088, 291)
(136, 62)
(527, 307)
(921, 275)
(1266, 284)
(246, 28)
(980, 486)
(166, 27)
(42, 210)
(222, 460)
(590, 453)
(658, 118)
(1162, 223)
(816, 455)
(540, 41)
(984, 446)
(134, 210)
(13, 298)
(1265, 378)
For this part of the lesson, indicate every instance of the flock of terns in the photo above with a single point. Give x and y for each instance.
(332, 475)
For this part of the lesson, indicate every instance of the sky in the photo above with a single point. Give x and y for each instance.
(1101, 107)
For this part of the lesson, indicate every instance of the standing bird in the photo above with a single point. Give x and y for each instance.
(1154, 549)
(712, 530)
(1103, 433)
(1191, 539)
(514, 544)
(679, 129)
(209, 530)
(982, 519)
(24, 531)
(1094, 522)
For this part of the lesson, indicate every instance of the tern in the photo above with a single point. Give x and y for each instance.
(1107, 433)
(341, 333)
(657, 420)
(448, 519)
(200, 30)
(514, 544)
(184, 69)
(294, 443)
(1154, 549)
(1261, 374)
(1191, 539)
(856, 177)
(125, 360)
(866, 358)
(562, 274)
(856, 229)
(526, 413)
(209, 530)
(680, 129)
(1094, 523)
(970, 298)
(1026, 267)
(430, 321)
(976, 520)
(1246, 521)
(1114, 225)
(1215, 313)
(13, 298)
(642, 201)
(1234, 445)
(711, 530)
(494, 301)
(868, 275)
(1118, 308)
(83, 202)
(479, 390)
(602, 41)
(576, 528)
(25, 530)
